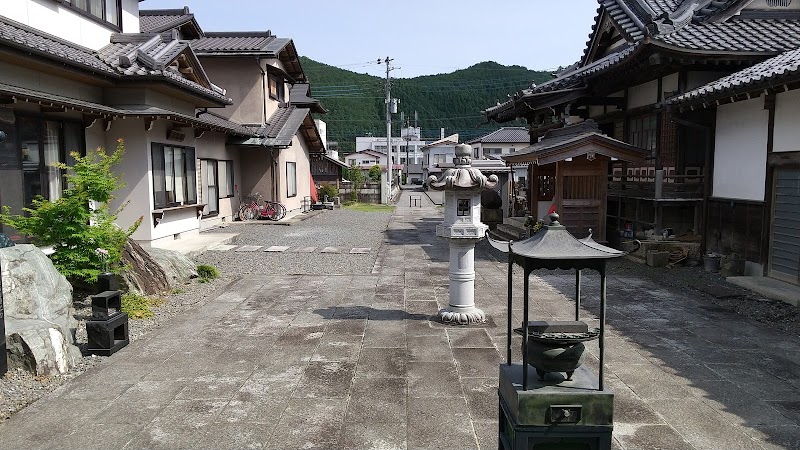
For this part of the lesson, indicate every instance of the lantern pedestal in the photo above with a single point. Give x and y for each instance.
(554, 413)
(461, 306)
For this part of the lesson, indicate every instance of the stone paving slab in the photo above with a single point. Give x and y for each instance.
(355, 362)
(249, 248)
(276, 248)
(330, 250)
(360, 250)
(305, 249)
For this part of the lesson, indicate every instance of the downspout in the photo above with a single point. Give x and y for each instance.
(263, 92)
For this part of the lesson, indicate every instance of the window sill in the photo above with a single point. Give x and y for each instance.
(158, 214)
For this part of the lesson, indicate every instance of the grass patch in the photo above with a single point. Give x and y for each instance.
(368, 207)
(207, 273)
(138, 306)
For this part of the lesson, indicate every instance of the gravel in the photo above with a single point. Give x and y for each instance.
(341, 228)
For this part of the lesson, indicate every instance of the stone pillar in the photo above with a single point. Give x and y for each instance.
(461, 308)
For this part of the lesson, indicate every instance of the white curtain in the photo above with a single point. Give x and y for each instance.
(51, 157)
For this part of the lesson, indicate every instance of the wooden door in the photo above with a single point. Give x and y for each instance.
(581, 198)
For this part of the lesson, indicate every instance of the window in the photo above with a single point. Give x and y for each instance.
(642, 132)
(291, 179)
(226, 184)
(104, 10)
(212, 187)
(174, 176)
(275, 88)
(439, 159)
(492, 151)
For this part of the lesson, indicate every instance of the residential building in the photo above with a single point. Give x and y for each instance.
(436, 154)
(77, 75)
(640, 54)
(505, 141)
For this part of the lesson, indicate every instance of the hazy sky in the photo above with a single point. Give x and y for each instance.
(423, 37)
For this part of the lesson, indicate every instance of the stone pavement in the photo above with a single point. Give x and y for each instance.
(352, 361)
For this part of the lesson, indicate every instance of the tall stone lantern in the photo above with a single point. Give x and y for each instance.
(462, 227)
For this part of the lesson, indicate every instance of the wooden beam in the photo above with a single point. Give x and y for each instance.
(89, 120)
(148, 123)
(7, 100)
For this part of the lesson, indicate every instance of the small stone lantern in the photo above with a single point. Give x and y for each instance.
(462, 227)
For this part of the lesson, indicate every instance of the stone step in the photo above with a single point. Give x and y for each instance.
(501, 236)
(518, 222)
(512, 230)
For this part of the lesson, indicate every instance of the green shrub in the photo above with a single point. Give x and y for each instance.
(329, 190)
(138, 306)
(375, 173)
(86, 240)
(206, 272)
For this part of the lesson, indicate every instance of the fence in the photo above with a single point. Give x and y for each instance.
(367, 193)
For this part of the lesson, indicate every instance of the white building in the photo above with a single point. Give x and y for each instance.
(436, 153)
(505, 141)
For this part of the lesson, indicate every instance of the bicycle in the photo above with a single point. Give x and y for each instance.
(250, 209)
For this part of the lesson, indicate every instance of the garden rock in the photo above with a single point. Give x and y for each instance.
(178, 268)
(39, 316)
(143, 273)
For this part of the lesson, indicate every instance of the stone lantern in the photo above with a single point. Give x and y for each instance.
(462, 227)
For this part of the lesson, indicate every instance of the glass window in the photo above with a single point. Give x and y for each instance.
(642, 132)
(276, 88)
(105, 10)
(291, 179)
(225, 179)
(174, 177)
(212, 187)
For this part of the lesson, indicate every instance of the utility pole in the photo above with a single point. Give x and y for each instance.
(388, 128)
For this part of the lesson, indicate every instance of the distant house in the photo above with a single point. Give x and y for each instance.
(436, 153)
(79, 75)
(505, 141)
(366, 159)
(406, 147)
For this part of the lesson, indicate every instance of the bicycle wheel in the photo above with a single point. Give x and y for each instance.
(280, 211)
(247, 213)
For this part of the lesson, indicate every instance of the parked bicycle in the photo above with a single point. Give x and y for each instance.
(251, 208)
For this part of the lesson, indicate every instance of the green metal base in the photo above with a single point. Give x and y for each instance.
(554, 413)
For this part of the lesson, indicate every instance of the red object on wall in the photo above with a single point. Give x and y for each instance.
(314, 196)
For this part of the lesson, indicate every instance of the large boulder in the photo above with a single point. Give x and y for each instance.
(39, 316)
(177, 266)
(155, 270)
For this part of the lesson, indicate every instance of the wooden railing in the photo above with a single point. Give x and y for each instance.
(658, 187)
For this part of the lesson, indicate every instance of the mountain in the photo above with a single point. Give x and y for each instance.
(355, 102)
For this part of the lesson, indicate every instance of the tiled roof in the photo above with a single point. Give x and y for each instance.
(158, 20)
(155, 51)
(784, 65)
(151, 55)
(22, 37)
(283, 125)
(261, 42)
(505, 135)
(556, 139)
(300, 95)
(766, 36)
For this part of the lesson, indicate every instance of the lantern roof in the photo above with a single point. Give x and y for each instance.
(553, 246)
(462, 177)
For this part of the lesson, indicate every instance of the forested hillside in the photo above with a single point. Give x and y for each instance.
(454, 101)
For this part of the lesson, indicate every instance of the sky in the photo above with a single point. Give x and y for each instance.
(422, 37)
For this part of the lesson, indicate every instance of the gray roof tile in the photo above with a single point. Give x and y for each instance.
(106, 60)
(505, 135)
(158, 20)
(239, 42)
(283, 126)
(766, 35)
(21, 36)
(782, 66)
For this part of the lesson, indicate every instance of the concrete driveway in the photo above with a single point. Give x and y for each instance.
(353, 361)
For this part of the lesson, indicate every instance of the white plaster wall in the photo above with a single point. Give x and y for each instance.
(643, 94)
(297, 153)
(670, 82)
(45, 82)
(740, 152)
(787, 131)
(61, 21)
